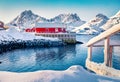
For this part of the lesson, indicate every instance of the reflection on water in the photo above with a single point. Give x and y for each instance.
(55, 58)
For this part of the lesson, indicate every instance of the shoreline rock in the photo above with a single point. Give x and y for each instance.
(19, 44)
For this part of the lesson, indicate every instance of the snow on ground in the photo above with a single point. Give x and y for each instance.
(13, 39)
(12, 33)
(72, 74)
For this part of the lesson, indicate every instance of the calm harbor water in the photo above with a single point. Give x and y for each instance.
(54, 58)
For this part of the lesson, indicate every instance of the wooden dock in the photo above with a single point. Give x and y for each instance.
(66, 37)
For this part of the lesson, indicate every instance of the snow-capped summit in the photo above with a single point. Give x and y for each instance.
(112, 21)
(102, 16)
(93, 26)
(27, 19)
(98, 21)
(68, 19)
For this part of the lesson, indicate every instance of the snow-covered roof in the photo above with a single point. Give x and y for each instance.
(50, 25)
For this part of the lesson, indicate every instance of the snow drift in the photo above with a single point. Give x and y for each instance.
(72, 74)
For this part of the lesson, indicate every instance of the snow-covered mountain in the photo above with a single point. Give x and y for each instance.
(99, 23)
(70, 19)
(93, 26)
(28, 19)
(112, 21)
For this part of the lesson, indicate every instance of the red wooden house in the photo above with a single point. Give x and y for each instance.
(54, 30)
(48, 28)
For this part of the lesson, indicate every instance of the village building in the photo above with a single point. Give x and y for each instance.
(56, 30)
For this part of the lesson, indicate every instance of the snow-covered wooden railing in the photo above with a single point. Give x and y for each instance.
(104, 35)
(108, 47)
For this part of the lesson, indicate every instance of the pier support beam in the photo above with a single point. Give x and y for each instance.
(106, 51)
(90, 52)
(110, 56)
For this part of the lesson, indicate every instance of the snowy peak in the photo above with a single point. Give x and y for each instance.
(27, 13)
(68, 19)
(93, 26)
(98, 21)
(27, 19)
(101, 16)
(114, 20)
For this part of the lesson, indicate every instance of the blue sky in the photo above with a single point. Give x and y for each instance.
(86, 9)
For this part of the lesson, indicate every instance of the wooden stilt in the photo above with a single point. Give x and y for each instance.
(90, 52)
(110, 56)
(106, 51)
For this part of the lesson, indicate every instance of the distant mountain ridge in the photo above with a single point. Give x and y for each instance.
(68, 19)
(100, 23)
(93, 26)
(114, 20)
(28, 19)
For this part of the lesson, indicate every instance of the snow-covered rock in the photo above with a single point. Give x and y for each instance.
(93, 26)
(112, 21)
(72, 74)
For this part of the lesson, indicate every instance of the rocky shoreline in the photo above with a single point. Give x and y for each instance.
(18, 44)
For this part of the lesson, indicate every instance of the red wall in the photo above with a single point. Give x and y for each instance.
(51, 30)
(30, 30)
(59, 29)
(27, 30)
(46, 30)
(40, 30)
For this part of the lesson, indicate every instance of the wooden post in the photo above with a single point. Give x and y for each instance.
(90, 52)
(106, 51)
(110, 56)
